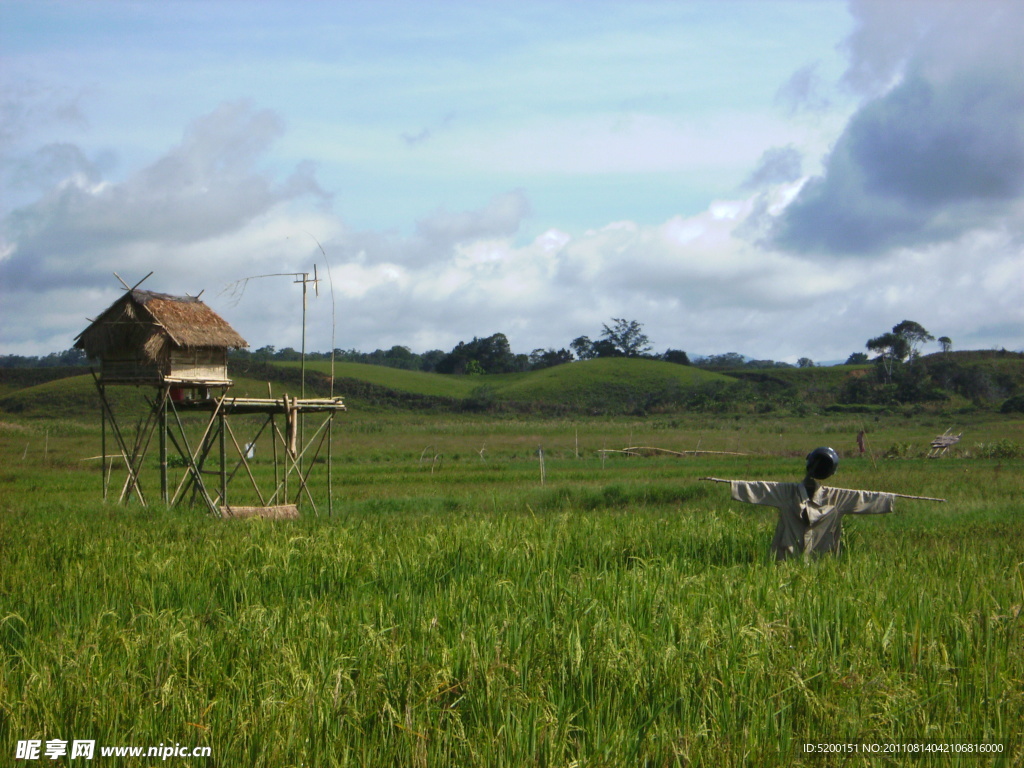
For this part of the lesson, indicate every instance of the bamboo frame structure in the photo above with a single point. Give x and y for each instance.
(941, 444)
(293, 456)
(177, 344)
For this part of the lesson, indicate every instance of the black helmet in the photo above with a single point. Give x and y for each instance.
(822, 463)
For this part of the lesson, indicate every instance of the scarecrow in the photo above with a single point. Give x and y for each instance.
(811, 514)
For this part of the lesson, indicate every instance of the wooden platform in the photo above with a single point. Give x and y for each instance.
(256, 405)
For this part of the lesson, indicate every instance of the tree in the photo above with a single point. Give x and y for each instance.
(676, 356)
(892, 349)
(898, 345)
(401, 357)
(431, 359)
(547, 358)
(491, 355)
(495, 354)
(586, 349)
(606, 348)
(727, 360)
(627, 337)
(69, 357)
(805, 362)
(583, 347)
(946, 343)
(857, 358)
(914, 334)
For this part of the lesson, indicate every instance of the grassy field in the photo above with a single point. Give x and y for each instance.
(456, 610)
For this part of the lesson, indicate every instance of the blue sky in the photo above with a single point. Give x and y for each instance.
(735, 175)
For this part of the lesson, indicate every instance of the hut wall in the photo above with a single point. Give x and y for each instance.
(199, 364)
(128, 368)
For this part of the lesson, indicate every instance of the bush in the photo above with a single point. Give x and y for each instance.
(901, 451)
(1014, 404)
(1001, 449)
(856, 408)
(482, 398)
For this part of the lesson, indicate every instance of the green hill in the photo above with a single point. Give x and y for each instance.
(616, 385)
(602, 386)
(13, 379)
(76, 397)
(817, 385)
(71, 396)
(397, 379)
(608, 384)
(576, 383)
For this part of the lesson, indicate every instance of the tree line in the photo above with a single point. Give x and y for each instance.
(65, 359)
(493, 354)
(899, 374)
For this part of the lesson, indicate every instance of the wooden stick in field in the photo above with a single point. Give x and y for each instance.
(636, 449)
(898, 495)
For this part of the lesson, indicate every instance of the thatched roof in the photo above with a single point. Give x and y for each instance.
(153, 323)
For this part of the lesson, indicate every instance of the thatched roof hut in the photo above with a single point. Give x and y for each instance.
(147, 337)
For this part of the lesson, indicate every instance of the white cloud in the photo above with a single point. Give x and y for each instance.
(938, 149)
(206, 187)
(616, 143)
(480, 217)
(695, 284)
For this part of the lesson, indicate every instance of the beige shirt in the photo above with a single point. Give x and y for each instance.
(823, 513)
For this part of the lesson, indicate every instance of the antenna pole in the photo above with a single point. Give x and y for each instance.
(305, 278)
(302, 369)
(302, 277)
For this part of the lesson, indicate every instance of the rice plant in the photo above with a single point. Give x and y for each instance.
(622, 613)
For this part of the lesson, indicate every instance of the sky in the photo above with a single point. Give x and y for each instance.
(777, 179)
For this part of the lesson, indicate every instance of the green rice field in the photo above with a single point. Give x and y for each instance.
(460, 603)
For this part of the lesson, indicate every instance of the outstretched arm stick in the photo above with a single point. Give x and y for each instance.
(916, 498)
(897, 495)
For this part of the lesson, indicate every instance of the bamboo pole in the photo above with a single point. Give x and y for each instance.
(304, 478)
(634, 451)
(243, 461)
(223, 460)
(132, 481)
(194, 471)
(330, 458)
(144, 434)
(164, 493)
(294, 465)
(103, 436)
(273, 442)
